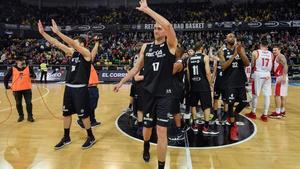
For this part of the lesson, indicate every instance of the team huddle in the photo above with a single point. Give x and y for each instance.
(164, 77)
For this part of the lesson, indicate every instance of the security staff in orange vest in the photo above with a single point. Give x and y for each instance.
(93, 89)
(21, 75)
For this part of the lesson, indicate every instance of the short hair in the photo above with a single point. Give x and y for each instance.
(264, 41)
(80, 39)
(277, 46)
(198, 46)
(179, 51)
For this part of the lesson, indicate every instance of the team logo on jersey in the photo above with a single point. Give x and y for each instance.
(75, 60)
(228, 56)
(231, 97)
(158, 54)
(64, 109)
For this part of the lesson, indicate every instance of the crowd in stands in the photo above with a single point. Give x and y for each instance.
(119, 48)
(15, 12)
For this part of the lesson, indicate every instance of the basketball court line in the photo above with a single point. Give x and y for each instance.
(34, 100)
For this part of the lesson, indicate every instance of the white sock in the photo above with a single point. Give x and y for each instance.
(254, 103)
(266, 104)
(278, 110)
(282, 109)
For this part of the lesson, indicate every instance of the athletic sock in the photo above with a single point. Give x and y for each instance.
(67, 133)
(161, 165)
(90, 133)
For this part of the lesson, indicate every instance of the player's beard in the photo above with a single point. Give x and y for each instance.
(230, 43)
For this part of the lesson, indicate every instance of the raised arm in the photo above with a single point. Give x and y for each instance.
(68, 51)
(95, 49)
(82, 50)
(167, 26)
(136, 69)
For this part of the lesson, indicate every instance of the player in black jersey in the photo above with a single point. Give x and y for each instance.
(157, 58)
(178, 94)
(217, 81)
(137, 82)
(76, 95)
(234, 60)
(186, 92)
(191, 52)
(200, 87)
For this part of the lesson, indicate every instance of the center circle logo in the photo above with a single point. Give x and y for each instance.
(127, 124)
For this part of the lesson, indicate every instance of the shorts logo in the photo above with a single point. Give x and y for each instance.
(64, 109)
(148, 117)
(231, 97)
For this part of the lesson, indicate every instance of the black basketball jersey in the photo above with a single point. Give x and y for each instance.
(234, 76)
(158, 67)
(178, 84)
(198, 79)
(78, 71)
(219, 74)
(134, 61)
(139, 83)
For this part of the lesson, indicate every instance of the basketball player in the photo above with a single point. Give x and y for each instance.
(137, 82)
(234, 60)
(178, 94)
(218, 85)
(93, 89)
(157, 58)
(21, 86)
(76, 95)
(191, 52)
(201, 84)
(262, 61)
(281, 84)
(185, 57)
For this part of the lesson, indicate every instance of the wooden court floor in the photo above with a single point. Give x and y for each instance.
(30, 145)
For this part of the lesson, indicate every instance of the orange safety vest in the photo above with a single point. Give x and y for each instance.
(21, 79)
(94, 79)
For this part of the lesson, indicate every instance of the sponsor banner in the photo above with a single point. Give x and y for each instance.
(111, 75)
(54, 74)
(225, 25)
